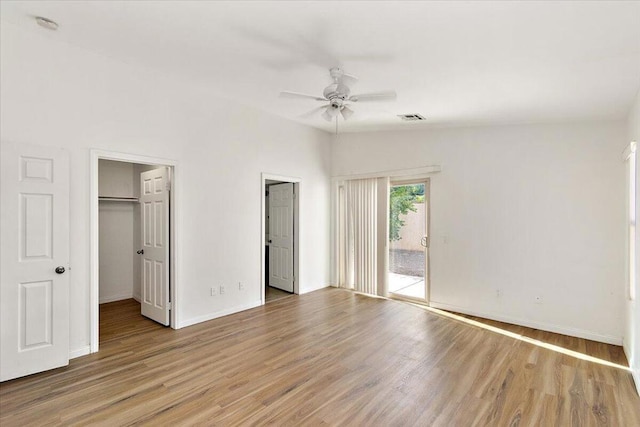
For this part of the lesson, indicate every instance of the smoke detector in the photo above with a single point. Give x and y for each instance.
(411, 117)
(46, 23)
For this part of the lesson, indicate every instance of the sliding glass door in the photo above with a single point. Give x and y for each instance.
(409, 240)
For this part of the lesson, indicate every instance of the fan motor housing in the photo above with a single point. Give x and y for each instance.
(336, 90)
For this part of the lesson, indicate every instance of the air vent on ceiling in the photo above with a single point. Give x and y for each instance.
(411, 117)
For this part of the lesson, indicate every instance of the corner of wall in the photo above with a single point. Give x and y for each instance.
(631, 342)
(314, 288)
(221, 313)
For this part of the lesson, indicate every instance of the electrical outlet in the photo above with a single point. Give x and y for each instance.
(214, 291)
(240, 286)
(538, 299)
(222, 289)
(498, 293)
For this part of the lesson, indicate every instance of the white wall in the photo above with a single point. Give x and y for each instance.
(632, 308)
(531, 211)
(116, 247)
(115, 179)
(54, 94)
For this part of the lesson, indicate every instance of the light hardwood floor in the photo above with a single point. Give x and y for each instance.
(273, 294)
(330, 357)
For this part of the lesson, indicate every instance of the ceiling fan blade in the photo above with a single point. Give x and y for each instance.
(326, 115)
(348, 79)
(289, 94)
(369, 57)
(313, 112)
(374, 96)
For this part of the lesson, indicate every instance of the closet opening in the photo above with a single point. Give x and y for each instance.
(133, 246)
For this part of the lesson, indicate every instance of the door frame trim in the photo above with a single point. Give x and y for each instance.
(174, 221)
(297, 184)
(427, 278)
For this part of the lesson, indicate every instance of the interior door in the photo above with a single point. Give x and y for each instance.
(281, 236)
(34, 281)
(154, 251)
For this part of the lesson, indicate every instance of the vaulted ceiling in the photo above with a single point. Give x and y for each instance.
(455, 63)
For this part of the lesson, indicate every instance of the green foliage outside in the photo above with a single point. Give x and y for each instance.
(402, 199)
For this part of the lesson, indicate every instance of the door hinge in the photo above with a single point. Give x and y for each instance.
(169, 305)
(168, 186)
(294, 195)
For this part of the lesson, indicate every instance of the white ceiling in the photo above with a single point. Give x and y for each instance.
(456, 63)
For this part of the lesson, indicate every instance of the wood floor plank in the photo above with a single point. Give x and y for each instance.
(330, 357)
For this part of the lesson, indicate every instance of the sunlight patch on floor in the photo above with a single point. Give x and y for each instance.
(504, 332)
(520, 337)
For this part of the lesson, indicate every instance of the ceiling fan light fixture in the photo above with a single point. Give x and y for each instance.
(346, 112)
(338, 94)
(334, 109)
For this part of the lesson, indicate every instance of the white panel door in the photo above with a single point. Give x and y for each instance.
(154, 209)
(281, 236)
(34, 283)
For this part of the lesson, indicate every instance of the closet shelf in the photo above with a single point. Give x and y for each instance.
(118, 199)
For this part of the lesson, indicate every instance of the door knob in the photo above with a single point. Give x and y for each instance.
(270, 241)
(140, 252)
(60, 270)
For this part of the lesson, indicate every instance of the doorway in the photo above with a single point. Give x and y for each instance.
(408, 275)
(279, 236)
(133, 229)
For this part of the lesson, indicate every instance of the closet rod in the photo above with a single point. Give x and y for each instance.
(118, 199)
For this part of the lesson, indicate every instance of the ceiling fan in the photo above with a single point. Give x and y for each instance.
(338, 95)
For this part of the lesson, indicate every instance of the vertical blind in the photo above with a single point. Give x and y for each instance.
(359, 245)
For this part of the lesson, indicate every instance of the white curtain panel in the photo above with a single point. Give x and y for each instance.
(361, 218)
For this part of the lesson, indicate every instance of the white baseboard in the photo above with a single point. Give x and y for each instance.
(82, 351)
(137, 298)
(635, 373)
(307, 290)
(226, 312)
(635, 370)
(608, 339)
(114, 298)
